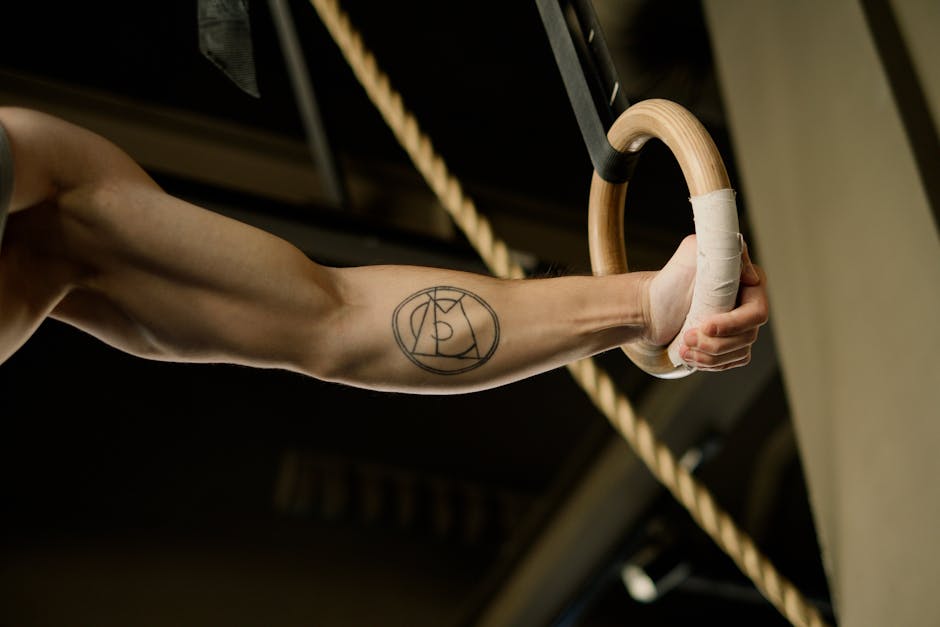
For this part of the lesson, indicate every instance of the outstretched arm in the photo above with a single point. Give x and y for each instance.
(103, 248)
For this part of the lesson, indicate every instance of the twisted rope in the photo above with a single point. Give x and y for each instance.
(691, 493)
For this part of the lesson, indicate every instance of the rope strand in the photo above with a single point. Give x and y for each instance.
(692, 494)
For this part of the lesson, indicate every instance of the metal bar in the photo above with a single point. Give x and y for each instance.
(307, 105)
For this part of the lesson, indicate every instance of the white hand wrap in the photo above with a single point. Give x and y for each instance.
(719, 260)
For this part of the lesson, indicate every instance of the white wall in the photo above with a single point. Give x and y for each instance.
(843, 227)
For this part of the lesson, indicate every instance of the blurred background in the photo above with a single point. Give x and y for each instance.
(138, 493)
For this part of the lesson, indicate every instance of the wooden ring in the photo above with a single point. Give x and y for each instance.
(703, 170)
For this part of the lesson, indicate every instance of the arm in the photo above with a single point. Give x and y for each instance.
(430, 330)
(103, 248)
(468, 331)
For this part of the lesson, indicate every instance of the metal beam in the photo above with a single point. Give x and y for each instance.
(318, 136)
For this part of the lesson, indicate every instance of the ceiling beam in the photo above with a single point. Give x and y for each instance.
(264, 165)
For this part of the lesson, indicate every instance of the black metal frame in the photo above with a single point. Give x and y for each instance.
(317, 136)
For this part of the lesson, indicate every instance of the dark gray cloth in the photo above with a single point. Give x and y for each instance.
(6, 179)
(225, 39)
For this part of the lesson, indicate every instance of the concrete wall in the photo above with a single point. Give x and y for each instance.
(844, 228)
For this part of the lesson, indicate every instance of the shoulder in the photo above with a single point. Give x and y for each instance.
(63, 153)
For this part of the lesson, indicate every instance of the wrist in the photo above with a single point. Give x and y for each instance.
(624, 316)
(644, 281)
(631, 316)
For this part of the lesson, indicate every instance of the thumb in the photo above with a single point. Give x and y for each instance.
(749, 274)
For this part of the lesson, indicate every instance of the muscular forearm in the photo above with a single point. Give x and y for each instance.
(439, 331)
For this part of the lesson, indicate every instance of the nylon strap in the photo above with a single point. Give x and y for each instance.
(590, 80)
(225, 39)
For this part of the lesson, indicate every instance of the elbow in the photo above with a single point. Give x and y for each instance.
(324, 361)
(327, 346)
(335, 358)
(339, 348)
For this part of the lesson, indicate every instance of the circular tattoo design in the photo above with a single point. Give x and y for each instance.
(446, 330)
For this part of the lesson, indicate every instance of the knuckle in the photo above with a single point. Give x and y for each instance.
(738, 362)
(763, 312)
(706, 344)
(704, 359)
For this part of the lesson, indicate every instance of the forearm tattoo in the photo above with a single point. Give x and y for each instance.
(446, 330)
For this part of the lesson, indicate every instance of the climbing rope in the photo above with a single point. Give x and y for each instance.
(691, 493)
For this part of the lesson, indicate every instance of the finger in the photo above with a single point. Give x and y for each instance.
(751, 313)
(719, 345)
(749, 275)
(704, 361)
(734, 364)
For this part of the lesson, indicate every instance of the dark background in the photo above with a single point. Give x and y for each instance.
(142, 493)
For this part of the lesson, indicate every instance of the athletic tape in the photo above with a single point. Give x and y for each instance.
(718, 263)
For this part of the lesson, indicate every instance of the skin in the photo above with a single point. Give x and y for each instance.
(93, 241)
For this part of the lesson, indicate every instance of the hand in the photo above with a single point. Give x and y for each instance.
(721, 341)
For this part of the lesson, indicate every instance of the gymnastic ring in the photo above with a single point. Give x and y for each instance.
(704, 174)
